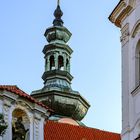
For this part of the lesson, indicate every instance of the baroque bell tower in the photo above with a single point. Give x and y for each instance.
(57, 92)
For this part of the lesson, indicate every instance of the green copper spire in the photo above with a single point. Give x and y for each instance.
(57, 92)
(58, 2)
(58, 14)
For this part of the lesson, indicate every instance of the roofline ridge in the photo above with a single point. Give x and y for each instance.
(15, 89)
(85, 127)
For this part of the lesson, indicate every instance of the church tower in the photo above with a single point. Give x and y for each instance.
(126, 16)
(57, 92)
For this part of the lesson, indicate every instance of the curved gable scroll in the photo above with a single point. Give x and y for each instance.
(23, 104)
(121, 11)
(136, 29)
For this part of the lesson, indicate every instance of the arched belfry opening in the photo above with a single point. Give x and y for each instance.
(52, 63)
(20, 125)
(67, 65)
(137, 64)
(60, 62)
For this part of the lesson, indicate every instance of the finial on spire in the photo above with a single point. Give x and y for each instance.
(58, 14)
(58, 2)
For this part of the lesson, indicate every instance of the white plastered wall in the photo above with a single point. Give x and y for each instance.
(35, 113)
(130, 102)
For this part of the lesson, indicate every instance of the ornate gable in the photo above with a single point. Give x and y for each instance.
(121, 11)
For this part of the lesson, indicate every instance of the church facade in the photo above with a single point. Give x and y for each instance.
(126, 16)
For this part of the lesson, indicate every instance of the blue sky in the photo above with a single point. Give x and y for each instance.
(96, 61)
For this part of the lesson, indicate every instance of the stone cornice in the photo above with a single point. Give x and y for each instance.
(56, 46)
(65, 103)
(57, 74)
(120, 12)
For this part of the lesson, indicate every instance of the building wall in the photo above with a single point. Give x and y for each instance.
(130, 87)
(36, 115)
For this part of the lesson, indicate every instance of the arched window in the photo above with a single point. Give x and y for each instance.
(20, 125)
(60, 63)
(137, 64)
(52, 63)
(46, 65)
(67, 65)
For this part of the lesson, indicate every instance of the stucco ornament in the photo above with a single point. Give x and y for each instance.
(136, 29)
(132, 2)
(125, 34)
(3, 125)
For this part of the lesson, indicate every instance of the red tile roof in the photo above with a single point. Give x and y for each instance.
(61, 131)
(16, 90)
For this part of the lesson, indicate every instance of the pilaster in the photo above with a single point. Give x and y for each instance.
(8, 119)
(38, 127)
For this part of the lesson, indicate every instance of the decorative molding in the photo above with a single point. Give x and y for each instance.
(36, 126)
(125, 34)
(23, 105)
(126, 130)
(37, 121)
(9, 96)
(6, 109)
(7, 103)
(136, 29)
(132, 3)
(120, 12)
(136, 90)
